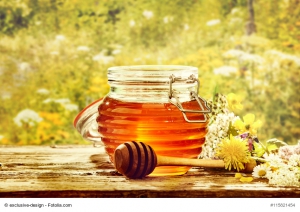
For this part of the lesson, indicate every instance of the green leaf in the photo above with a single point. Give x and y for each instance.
(232, 130)
(272, 147)
(258, 149)
(274, 144)
(216, 90)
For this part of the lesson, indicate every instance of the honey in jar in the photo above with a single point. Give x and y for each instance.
(157, 105)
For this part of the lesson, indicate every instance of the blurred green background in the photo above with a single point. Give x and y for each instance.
(54, 55)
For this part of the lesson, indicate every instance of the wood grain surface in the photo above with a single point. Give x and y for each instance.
(85, 171)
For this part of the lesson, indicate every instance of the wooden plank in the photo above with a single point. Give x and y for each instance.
(85, 171)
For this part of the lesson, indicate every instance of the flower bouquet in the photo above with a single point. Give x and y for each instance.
(235, 141)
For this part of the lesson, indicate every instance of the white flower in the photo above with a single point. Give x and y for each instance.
(233, 53)
(24, 66)
(59, 101)
(284, 176)
(60, 38)
(62, 101)
(186, 27)
(116, 51)
(43, 91)
(273, 159)
(6, 95)
(294, 160)
(213, 22)
(148, 14)
(297, 148)
(54, 53)
(254, 58)
(65, 102)
(27, 116)
(221, 133)
(243, 56)
(235, 10)
(225, 70)
(83, 48)
(254, 82)
(235, 21)
(283, 56)
(131, 23)
(261, 171)
(167, 19)
(216, 132)
(70, 107)
(102, 58)
(285, 152)
(46, 101)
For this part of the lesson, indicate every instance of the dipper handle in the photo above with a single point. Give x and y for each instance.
(173, 161)
(137, 160)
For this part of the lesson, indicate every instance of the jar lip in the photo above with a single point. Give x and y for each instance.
(153, 68)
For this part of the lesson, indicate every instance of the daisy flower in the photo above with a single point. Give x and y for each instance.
(261, 171)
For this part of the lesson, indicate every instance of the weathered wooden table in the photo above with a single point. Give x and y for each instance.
(85, 171)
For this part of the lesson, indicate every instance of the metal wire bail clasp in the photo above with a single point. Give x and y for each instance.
(193, 95)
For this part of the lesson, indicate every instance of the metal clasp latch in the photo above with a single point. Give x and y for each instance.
(193, 95)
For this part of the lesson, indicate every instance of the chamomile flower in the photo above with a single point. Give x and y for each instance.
(261, 171)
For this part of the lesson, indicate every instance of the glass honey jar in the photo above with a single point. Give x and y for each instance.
(155, 104)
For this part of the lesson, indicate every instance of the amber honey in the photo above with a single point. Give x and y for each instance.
(160, 125)
(155, 104)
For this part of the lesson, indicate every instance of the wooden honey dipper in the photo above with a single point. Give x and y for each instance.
(137, 160)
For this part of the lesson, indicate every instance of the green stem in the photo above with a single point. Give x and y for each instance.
(265, 148)
(259, 159)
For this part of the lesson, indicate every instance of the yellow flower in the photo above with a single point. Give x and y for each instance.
(234, 152)
(249, 125)
(234, 102)
(53, 118)
(246, 179)
(238, 175)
